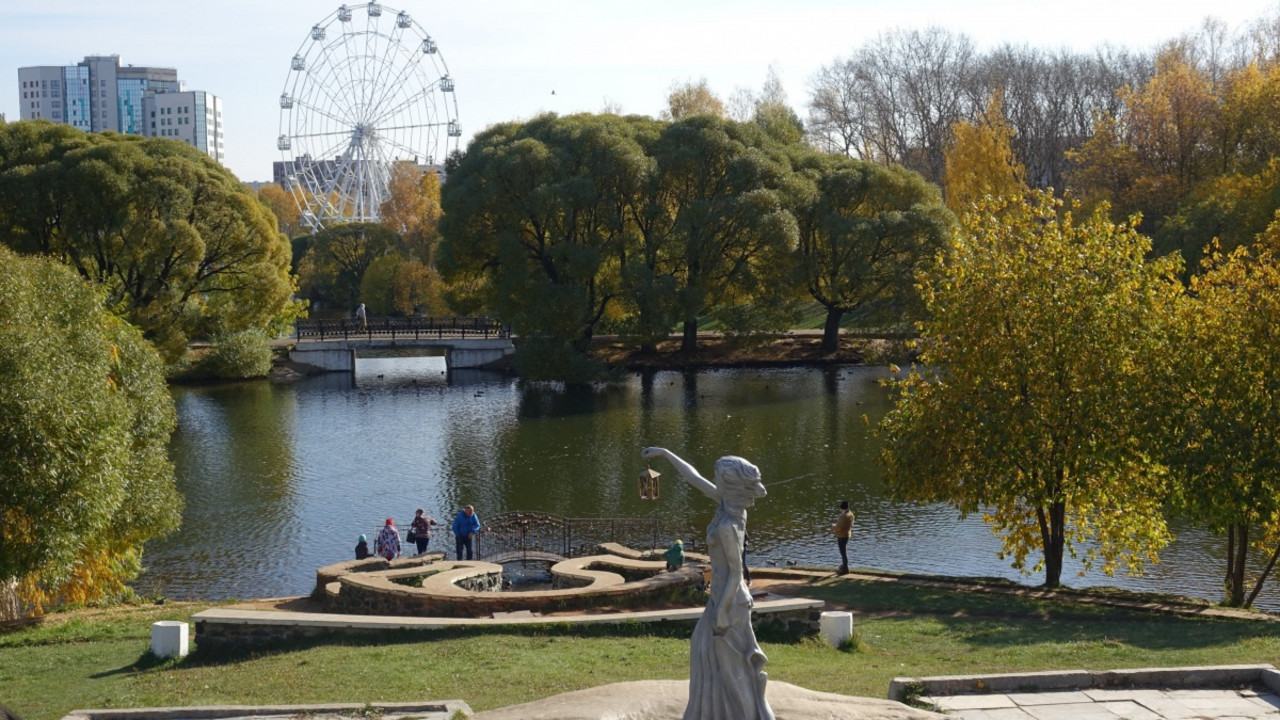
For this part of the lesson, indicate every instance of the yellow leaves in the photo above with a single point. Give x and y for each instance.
(980, 161)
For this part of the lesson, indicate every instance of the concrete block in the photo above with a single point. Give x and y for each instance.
(169, 638)
(836, 627)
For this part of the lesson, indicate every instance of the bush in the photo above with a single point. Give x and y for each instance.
(244, 354)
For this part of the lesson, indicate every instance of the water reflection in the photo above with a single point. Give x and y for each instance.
(280, 480)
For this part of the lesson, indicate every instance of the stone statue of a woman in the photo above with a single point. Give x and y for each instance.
(726, 666)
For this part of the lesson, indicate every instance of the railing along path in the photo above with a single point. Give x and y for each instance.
(418, 328)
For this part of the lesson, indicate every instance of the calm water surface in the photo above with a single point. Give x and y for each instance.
(281, 479)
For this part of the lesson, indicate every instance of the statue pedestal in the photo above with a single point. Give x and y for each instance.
(665, 700)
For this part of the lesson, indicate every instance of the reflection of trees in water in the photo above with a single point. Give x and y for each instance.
(233, 456)
(574, 452)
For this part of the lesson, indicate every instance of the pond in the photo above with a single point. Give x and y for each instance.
(282, 479)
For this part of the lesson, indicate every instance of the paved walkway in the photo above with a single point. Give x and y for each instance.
(1107, 704)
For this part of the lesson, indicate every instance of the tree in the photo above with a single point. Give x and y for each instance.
(1225, 212)
(541, 207)
(730, 234)
(393, 285)
(175, 241)
(896, 99)
(85, 419)
(338, 257)
(1224, 428)
(1041, 328)
(980, 160)
(412, 209)
(282, 205)
(690, 99)
(865, 230)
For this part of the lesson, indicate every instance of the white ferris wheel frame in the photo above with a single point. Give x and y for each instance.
(367, 88)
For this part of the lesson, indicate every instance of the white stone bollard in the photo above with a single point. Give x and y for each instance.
(169, 639)
(836, 627)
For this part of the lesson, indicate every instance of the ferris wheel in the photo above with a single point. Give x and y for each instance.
(368, 88)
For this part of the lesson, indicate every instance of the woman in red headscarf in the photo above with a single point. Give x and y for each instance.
(387, 544)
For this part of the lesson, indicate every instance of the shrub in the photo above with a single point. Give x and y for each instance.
(244, 354)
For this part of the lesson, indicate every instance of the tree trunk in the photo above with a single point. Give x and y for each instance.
(1053, 535)
(831, 331)
(1257, 587)
(689, 343)
(1238, 536)
(10, 607)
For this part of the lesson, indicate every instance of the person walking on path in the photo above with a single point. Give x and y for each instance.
(465, 527)
(387, 544)
(362, 317)
(420, 529)
(843, 530)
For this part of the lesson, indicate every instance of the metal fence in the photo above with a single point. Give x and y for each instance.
(517, 533)
(418, 328)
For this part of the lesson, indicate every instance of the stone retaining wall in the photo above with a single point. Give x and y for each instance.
(223, 628)
(467, 588)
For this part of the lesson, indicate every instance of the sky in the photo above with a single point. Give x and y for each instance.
(513, 60)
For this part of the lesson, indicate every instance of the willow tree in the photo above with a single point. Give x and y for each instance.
(1041, 325)
(1224, 430)
(540, 207)
(865, 230)
(176, 242)
(85, 419)
(730, 233)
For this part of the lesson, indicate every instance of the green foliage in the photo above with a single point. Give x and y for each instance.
(540, 207)
(865, 230)
(337, 257)
(1040, 332)
(244, 354)
(729, 235)
(1223, 407)
(178, 245)
(85, 419)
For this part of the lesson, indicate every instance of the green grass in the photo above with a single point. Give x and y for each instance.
(100, 659)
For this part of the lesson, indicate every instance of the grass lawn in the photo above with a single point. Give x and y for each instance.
(93, 659)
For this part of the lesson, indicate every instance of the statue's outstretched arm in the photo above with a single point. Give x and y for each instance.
(687, 471)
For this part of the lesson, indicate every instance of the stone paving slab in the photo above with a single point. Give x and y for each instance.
(439, 710)
(1177, 699)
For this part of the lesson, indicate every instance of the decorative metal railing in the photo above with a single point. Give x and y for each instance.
(517, 533)
(417, 328)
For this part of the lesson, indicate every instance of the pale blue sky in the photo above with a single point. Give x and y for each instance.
(507, 57)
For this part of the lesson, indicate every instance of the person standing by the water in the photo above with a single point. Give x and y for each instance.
(843, 530)
(387, 544)
(465, 527)
(362, 548)
(420, 529)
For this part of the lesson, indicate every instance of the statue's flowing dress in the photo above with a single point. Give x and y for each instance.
(726, 670)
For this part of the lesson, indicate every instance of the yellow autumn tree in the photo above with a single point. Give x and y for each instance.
(1027, 408)
(412, 209)
(980, 160)
(1224, 414)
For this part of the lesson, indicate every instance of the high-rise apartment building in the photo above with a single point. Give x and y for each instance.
(97, 95)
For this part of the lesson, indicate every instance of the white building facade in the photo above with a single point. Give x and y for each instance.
(97, 95)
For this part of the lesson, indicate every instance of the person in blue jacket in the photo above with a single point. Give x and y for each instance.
(465, 527)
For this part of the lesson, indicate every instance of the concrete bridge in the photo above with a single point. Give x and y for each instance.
(333, 345)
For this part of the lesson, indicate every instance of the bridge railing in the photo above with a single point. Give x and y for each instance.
(529, 532)
(401, 327)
